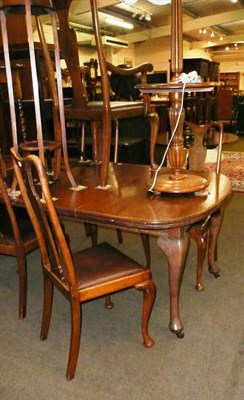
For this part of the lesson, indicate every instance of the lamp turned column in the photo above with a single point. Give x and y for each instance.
(177, 181)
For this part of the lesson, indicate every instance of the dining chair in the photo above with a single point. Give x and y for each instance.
(102, 113)
(205, 233)
(81, 276)
(17, 239)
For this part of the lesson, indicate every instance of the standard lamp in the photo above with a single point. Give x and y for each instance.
(177, 181)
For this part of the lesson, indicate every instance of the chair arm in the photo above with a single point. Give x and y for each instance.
(84, 70)
(144, 67)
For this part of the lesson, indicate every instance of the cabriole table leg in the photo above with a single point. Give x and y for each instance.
(175, 243)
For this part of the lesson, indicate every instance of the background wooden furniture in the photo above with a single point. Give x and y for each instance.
(230, 80)
(17, 239)
(81, 276)
(200, 107)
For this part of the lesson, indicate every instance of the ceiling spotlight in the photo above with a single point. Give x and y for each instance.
(134, 14)
(227, 48)
(148, 17)
(204, 30)
(221, 38)
(212, 34)
(141, 17)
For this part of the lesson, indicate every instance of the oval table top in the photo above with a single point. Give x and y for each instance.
(127, 203)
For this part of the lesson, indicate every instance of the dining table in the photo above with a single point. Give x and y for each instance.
(128, 204)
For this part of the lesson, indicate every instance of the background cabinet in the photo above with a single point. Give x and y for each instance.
(231, 80)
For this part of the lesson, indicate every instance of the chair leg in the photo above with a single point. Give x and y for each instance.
(149, 293)
(96, 127)
(116, 142)
(47, 307)
(200, 235)
(146, 246)
(215, 225)
(74, 339)
(22, 271)
(91, 230)
(119, 235)
(108, 302)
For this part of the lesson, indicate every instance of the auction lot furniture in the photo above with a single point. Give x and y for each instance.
(128, 205)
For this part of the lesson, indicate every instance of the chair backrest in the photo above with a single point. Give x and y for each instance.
(69, 49)
(124, 86)
(55, 252)
(198, 150)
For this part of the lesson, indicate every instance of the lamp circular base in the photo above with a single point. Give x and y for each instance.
(187, 183)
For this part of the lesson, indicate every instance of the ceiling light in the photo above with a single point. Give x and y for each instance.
(160, 2)
(131, 1)
(157, 2)
(227, 48)
(148, 17)
(221, 38)
(119, 22)
(212, 34)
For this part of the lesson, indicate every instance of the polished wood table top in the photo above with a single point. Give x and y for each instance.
(127, 204)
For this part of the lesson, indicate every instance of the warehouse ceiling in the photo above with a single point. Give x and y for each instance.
(213, 24)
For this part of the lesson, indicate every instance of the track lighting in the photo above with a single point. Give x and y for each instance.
(137, 12)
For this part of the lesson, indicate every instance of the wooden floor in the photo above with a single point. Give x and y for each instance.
(235, 146)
